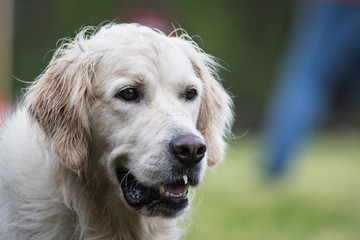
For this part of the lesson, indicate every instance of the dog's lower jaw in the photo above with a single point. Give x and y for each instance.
(116, 220)
(167, 201)
(120, 222)
(127, 224)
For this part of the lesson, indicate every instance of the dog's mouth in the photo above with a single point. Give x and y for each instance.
(166, 200)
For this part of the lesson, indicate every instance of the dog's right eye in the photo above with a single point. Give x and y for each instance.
(128, 94)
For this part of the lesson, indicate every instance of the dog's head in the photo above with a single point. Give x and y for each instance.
(145, 107)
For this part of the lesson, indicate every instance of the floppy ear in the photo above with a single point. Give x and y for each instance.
(216, 115)
(59, 102)
(215, 118)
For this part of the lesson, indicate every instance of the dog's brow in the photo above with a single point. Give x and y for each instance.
(140, 78)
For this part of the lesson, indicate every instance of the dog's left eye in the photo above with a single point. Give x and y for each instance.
(190, 94)
(129, 94)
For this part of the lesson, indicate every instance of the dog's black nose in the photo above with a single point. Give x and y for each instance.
(188, 149)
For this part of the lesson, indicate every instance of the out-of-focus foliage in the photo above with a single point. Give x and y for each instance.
(247, 36)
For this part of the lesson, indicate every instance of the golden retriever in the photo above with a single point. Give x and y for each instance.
(110, 137)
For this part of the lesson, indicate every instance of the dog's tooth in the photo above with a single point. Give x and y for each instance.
(171, 195)
(161, 190)
(181, 195)
(167, 193)
(185, 177)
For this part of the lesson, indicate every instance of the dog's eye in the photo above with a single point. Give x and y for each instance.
(190, 94)
(128, 94)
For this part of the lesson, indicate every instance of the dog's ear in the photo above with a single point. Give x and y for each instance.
(215, 118)
(59, 101)
(216, 114)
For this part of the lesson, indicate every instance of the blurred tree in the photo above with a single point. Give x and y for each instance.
(6, 29)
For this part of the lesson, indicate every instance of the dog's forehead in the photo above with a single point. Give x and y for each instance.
(151, 59)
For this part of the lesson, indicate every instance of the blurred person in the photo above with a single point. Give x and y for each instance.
(323, 51)
(5, 107)
(154, 14)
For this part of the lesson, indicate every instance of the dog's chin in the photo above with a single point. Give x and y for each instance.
(167, 200)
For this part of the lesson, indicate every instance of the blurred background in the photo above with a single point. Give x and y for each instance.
(293, 166)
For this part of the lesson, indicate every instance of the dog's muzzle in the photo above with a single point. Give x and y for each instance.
(169, 198)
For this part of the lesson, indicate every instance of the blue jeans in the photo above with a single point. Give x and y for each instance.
(323, 48)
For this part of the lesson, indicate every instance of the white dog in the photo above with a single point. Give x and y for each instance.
(110, 137)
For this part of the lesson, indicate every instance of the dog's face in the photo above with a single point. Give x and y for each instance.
(150, 111)
(147, 112)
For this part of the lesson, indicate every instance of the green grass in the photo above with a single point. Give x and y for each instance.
(320, 200)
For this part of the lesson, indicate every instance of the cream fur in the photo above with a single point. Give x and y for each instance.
(59, 149)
